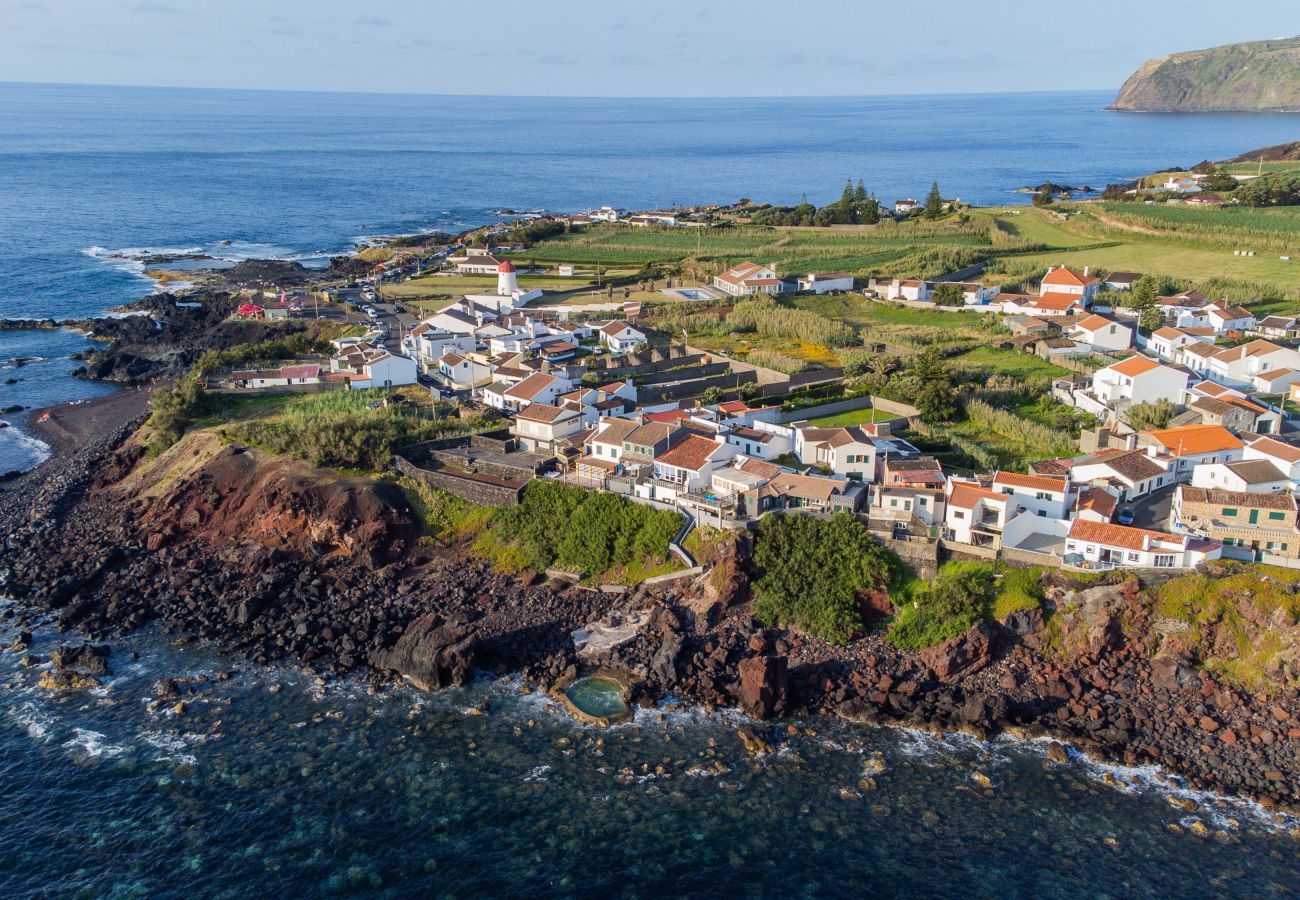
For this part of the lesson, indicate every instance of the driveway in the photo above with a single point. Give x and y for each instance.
(1153, 510)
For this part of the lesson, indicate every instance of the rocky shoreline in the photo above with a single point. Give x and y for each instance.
(278, 562)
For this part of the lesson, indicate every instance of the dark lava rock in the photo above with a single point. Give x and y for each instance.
(962, 655)
(764, 684)
(432, 653)
(91, 659)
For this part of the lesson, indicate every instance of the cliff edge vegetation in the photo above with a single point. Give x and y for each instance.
(1257, 76)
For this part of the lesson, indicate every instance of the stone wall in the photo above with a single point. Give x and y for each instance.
(478, 490)
(922, 556)
(677, 390)
(687, 373)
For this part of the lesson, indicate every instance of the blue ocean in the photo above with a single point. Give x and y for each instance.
(267, 783)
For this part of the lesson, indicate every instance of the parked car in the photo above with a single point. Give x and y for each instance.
(1125, 516)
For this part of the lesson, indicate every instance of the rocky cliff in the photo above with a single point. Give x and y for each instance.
(1260, 76)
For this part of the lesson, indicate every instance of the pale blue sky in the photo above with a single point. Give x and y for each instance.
(617, 47)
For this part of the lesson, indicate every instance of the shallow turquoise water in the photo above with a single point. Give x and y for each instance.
(268, 784)
(597, 696)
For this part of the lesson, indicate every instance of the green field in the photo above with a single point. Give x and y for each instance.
(855, 417)
(857, 251)
(1007, 362)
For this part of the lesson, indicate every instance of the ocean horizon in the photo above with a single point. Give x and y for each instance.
(267, 780)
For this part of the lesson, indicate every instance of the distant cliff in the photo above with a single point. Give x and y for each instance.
(1260, 76)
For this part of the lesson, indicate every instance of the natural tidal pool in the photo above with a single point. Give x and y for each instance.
(267, 782)
(597, 696)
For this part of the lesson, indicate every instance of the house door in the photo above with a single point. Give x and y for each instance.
(1104, 556)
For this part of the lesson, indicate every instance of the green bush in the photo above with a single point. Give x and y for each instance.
(340, 429)
(813, 570)
(557, 524)
(950, 604)
(963, 594)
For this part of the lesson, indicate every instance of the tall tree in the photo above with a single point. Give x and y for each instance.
(860, 193)
(844, 211)
(933, 202)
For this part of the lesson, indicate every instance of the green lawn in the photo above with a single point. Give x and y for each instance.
(1039, 226)
(862, 312)
(855, 417)
(1007, 362)
(792, 250)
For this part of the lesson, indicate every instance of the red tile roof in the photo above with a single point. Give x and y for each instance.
(1122, 536)
(691, 453)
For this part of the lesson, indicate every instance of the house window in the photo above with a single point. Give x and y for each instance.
(1229, 512)
(1164, 561)
(1042, 495)
(1277, 516)
(1042, 514)
(958, 514)
(1132, 557)
(1069, 545)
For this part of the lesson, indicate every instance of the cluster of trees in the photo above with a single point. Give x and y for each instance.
(1276, 189)
(174, 409)
(767, 317)
(936, 398)
(856, 206)
(1144, 297)
(813, 572)
(577, 529)
(1151, 414)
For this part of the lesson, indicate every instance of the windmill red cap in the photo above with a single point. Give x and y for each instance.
(506, 266)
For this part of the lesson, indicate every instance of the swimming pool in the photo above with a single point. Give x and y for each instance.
(693, 294)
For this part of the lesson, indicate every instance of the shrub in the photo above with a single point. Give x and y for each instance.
(963, 594)
(944, 608)
(813, 570)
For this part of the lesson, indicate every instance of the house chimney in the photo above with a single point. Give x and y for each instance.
(1085, 271)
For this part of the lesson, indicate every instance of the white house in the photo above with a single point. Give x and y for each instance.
(1104, 545)
(1253, 365)
(374, 368)
(686, 466)
(905, 206)
(541, 427)
(824, 284)
(427, 344)
(975, 514)
(1103, 333)
(1187, 446)
(1045, 496)
(461, 373)
(540, 387)
(760, 444)
(1221, 317)
(477, 261)
(972, 292)
(1166, 340)
(1285, 456)
(1249, 476)
(748, 278)
(845, 451)
(1278, 327)
(1064, 280)
(1138, 379)
(1129, 473)
(621, 337)
(1047, 305)
(457, 318)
